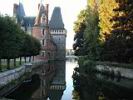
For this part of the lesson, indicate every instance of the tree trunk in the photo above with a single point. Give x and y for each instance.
(25, 59)
(20, 62)
(0, 65)
(8, 63)
(14, 62)
(30, 59)
(33, 58)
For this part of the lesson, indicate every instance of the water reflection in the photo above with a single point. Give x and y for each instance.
(70, 65)
(25, 91)
(79, 86)
(92, 86)
(60, 88)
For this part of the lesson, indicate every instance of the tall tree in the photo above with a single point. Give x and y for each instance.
(10, 38)
(121, 40)
(79, 27)
(106, 14)
(14, 42)
(91, 35)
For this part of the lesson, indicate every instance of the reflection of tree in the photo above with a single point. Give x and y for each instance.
(75, 95)
(92, 86)
(85, 85)
(76, 80)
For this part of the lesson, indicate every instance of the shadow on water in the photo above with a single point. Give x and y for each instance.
(25, 91)
(92, 86)
(28, 88)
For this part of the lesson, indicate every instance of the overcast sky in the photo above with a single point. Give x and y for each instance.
(69, 8)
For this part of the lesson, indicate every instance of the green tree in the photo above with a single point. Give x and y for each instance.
(31, 47)
(79, 27)
(91, 35)
(120, 43)
(36, 48)
(14, 42)
(27, 46)
(10, 38)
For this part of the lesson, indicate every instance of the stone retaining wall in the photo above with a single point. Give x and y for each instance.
(124, 72)
(10, 75)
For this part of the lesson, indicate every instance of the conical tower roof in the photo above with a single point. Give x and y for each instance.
(56, 21)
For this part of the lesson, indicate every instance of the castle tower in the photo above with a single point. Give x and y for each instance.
(18, 12)
(42, 33)
(58, 33)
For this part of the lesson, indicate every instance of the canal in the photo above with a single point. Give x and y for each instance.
(28, 88)
(80, 86)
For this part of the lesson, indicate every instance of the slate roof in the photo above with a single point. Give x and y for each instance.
(20, 13)
(56, 21)
(20, 9)
(22, 19)
(28, 21)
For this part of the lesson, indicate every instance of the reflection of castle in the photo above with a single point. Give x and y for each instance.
(58, 84)
(51, 34)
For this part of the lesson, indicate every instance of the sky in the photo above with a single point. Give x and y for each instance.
(69, 9)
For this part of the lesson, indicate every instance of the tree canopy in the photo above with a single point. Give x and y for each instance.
(104, 31)
(14, 42)
(79, 27)
(106, 14)
(120, 43)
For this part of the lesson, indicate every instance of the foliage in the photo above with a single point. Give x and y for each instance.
(75, 95)
(14, 42)
(36, 47)
(87, 34)
(91, 35)
(106, 14)
(94, 4)
(104, 31)
(10, 38)
(79, 27)
(119, 46)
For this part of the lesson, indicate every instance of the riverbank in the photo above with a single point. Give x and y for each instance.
(11, 79)
(91, 83)
(124, 70)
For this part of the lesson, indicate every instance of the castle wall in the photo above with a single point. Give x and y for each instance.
(48, 48)
(59, 38)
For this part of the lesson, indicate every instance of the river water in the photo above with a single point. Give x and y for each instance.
(90, 86)
(70, 65)
(27, 89)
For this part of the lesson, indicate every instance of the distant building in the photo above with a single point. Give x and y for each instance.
(69, 52)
